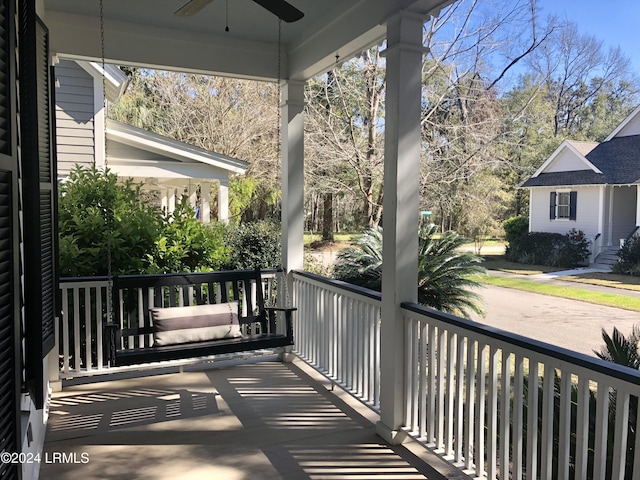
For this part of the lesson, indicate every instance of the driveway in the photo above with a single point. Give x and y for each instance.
(566, 323)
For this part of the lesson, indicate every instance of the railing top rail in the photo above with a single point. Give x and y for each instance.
(174, 278)
(579, 359)
(84, 279)
(365, 292)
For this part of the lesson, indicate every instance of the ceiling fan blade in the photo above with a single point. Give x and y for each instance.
(281, 9)
(191, 8)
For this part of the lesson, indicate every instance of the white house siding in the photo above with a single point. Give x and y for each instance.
(624, 208)
(74, 116)
(586, 212)
(631, 128)
(566, 161)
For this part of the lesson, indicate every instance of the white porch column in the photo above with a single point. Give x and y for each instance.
(292, 175)
(171, 200)
(223, 201)
(164, 200)
(401, 204)
(205, 202)
(193, 194)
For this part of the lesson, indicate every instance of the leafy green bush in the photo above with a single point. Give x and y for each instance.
(96, 212)
(187, 245)
(552, 249)
(629, 263)
(515, 228)
(251, 245)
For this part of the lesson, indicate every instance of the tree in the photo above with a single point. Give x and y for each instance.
(98, 216)
(445, 274)
(344, 131)
(582, 79)
(233, 117)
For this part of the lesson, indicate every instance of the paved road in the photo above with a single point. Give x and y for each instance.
(567, 323)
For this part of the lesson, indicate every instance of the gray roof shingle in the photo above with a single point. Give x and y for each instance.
(618, 160)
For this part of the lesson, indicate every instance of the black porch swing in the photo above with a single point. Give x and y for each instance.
(154, 318)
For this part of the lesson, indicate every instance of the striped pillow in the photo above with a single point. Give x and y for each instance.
(199, 323)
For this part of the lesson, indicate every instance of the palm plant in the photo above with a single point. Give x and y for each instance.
(445, 274)
(621, 349)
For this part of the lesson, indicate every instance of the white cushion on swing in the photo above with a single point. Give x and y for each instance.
(199, 323)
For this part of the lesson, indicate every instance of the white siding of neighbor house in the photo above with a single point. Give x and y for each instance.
(586, 212)
(566, 161)
(74, 116)
(116, 150)
(624, 208)
(631, 128)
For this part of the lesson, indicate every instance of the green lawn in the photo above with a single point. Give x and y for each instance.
(599, 298)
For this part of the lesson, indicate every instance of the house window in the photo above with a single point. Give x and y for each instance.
(563, 205)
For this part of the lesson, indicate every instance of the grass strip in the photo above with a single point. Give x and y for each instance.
(589, 296)
(625, 282)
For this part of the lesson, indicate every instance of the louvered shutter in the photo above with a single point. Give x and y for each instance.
(10, 372)
(573, 205)
(39, 190)
(5, 105)
(8, 359)
(552, 206)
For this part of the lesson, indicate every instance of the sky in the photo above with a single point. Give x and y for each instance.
(615, 22)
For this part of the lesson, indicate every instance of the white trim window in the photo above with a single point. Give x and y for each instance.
(563, 205)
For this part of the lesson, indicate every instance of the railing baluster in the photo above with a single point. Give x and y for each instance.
(620, 436)
(459, 442)
(582, 427)
(470, 403)
(441, 385)
(451, 393)
(505, 415)
(76, 330)
(532, 420)
(66, 314)
(431, 389)
(481, 367)
(422, 362)
(602, 416)
(518, 411)
(87, 328)
(492, 415)
(564, 434)
(546, 440)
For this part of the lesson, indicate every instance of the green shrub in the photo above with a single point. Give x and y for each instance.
(551, 249)
(629, 263)
(515, 228)
(187, 245)
(96, 212)
(251, 245)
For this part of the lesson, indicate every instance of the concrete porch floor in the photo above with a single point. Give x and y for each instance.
(263, 420)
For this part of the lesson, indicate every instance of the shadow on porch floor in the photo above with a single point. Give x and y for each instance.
(255, 421)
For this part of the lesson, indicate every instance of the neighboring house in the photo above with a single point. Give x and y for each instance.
(167, 166)
(591, 187)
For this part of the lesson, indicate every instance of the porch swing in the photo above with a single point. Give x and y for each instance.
(155, 318)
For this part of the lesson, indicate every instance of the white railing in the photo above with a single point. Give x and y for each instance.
(80, 336)
(337, 330)
(503, 406)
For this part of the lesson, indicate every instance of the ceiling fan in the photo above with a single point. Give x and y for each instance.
(279, 8)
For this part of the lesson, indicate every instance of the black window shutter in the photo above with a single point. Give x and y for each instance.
(573, 201)
(10, 371)
(552, 206)
(39, 190)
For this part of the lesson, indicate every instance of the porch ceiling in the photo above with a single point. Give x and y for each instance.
(146, 33)
(264, 420)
